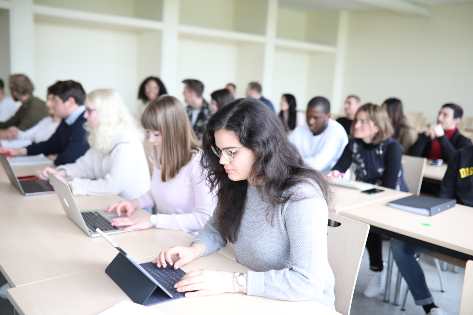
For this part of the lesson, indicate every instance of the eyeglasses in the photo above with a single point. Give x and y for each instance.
(228, 153)
(90, 110)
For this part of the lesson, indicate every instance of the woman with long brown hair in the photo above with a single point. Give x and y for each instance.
(179, 193)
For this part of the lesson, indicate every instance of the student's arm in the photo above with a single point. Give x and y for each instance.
(419, 147)
(308, 271)
(344, 162)
(82, 168)
(447, 187)
(74, 149)
(48, 147)
(324, 160)
(204, 204)
(14, 120)
(448, 149)
(392, 165)
(210, 238)
(125, 178)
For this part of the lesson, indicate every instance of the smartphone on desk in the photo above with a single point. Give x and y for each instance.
(372, 191)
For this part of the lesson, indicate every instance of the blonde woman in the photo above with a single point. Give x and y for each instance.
(179, 192)
(116, 162)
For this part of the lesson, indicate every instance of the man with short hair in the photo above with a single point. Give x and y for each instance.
(321, 142)
(444, 140)
(31, 111)
(69, 141)
(350, 107)
(231, 87)
(255, 90)
(7, 106)
(197, 107)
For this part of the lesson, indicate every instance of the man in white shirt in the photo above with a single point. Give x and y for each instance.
(7, 106)
(321, 142)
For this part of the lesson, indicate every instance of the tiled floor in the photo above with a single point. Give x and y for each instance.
(449, 301)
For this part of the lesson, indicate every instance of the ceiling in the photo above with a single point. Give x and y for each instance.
(364, 5)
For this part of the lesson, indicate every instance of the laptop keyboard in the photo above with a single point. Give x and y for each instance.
(166, 277)
(36, 186)
(95, 220)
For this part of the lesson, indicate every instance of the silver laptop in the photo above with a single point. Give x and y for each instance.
(27, 185)
(88, 220)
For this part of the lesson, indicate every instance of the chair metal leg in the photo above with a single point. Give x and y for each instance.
(389, 271)
(397, 290)
(404, 299)
(439, 274)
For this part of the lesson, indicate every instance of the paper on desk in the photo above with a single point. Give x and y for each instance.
(127, 307)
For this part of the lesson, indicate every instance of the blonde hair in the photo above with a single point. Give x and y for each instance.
(114, 120)
(166, 115)
(379, 116)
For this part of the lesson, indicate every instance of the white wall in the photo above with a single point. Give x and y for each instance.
(304, 74)
(212, 62)
(426, 61)
(4, 46)
(96, 57)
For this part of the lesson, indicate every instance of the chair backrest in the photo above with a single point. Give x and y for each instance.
(413, 168)
(346, 243)
(466, 306)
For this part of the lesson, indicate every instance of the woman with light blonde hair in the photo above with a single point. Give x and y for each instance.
(116, 162)
(376, 158)
(179, 192)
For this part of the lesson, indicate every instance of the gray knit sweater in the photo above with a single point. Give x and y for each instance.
(288, 257)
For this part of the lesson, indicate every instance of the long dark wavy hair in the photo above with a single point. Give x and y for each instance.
(278, 165)
(291, 113)
(394, 108)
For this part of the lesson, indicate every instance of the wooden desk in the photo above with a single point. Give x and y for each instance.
(92, 293)
(347, 198)
(39, 241)
(449, 230)
(435, 172)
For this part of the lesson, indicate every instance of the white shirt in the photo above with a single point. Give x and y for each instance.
(8, 108)
(42, 131)
(123, 171)
(320, 152)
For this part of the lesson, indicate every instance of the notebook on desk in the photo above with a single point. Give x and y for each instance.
(423, 205)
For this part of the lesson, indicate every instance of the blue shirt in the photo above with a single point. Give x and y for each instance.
(74, 115)
(267, 102)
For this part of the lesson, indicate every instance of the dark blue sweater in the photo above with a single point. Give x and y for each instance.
(69, 142)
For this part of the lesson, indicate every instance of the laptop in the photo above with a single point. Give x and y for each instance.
(27, 185)
(144, 283)
(87, 220)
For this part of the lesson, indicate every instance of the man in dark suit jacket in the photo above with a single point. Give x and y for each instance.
(444, 140)
(69, 141)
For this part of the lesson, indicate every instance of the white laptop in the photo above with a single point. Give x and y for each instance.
(27, 185)
(88, 220)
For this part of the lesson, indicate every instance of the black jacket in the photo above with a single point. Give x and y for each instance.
(68, 142)
(449, 147)
(458, 180)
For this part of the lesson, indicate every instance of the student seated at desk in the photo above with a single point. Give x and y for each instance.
(31, 111)
(457, 184)
(42, 131)
(69, 141)
(116, 162)
(179, 192)
(403, 132)
(8, 107)
(271, 206)
(322, 140)
(376, 157)
(443, 140)
(350, 106)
